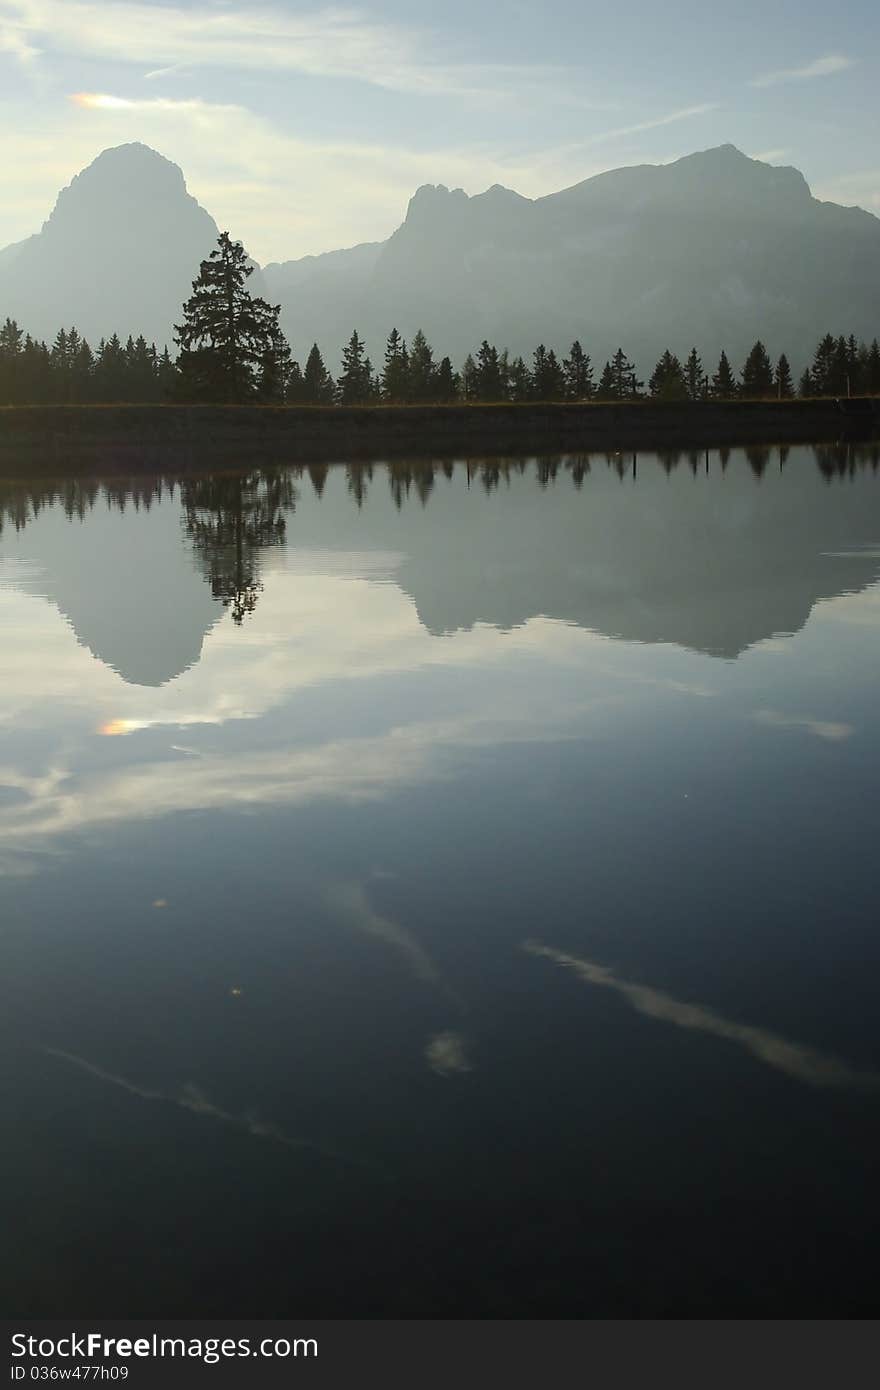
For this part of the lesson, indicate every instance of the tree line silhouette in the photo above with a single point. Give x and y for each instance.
(231, 349)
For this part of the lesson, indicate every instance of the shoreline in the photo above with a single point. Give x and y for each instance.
(195, 437)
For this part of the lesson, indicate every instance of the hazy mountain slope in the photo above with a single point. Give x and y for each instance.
(117, 254)
(714, 250)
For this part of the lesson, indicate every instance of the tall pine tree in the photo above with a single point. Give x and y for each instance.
(226, 332)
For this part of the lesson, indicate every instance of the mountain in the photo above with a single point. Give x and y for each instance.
(715, 250)
(118, 253)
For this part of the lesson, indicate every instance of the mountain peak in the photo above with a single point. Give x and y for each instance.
(124, 177)
(118, 252)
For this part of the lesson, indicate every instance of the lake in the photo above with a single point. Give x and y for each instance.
(443, 889)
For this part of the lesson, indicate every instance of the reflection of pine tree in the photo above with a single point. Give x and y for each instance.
(357, 475)
(230, 521)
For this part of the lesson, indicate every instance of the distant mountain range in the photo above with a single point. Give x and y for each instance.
(713, 250)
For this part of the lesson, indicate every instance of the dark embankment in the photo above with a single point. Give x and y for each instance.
(180, 437)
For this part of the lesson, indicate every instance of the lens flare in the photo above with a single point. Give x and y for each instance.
(100, 101)
(114, 727)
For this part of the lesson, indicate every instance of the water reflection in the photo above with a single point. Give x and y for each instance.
(230, 522)
(658, 564)
(292, 762)
(792, 1059)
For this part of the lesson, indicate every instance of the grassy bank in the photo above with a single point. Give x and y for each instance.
(181, 437)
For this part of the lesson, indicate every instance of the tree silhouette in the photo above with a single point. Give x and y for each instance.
(548, 378)
(448, 383)
(489, 384)
(422, 371)
(782, 379)
(694, 377)
(724, 382)
(395, 373)
(668, 380)
(230, 521)
(318, 387)
(226, 333)
(519, 381)
(578, 374)
(355, 384)
(757, 373)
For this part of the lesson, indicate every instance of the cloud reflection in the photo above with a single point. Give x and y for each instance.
(191, 1098)
(446, 1054)
(349, 902)
(830, 729)
(795, 1060)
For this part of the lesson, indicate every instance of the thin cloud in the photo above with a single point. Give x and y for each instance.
(821, 67)
(329, 43)
(793, 1059)
(14, 42)
(684, 114)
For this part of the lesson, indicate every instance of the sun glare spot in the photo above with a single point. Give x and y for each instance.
(113, 727)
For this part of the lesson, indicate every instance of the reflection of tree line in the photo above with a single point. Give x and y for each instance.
(230, 519)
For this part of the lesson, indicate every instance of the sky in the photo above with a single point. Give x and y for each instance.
(302, 128)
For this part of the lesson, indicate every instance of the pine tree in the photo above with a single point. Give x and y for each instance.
(10, 362)
(623, 376)
(488, 383)
(226, 332)
(274, 371)
(694, 377)
(139, 370)
(668, 380)
(872, 373)
(853, 367)
(294, 390)
(822, 371)
(395, 373)
(469, 379)
(723, 382)
(578, 374)
(60, 362)
(605, 391)
(355, 384)
(166, 377)
(548, 378)
(806, 387)
(447, 384)
(82, 373)
(757, 373)
(318, 385)
(519, 381)
(422, 371)
(782, 379)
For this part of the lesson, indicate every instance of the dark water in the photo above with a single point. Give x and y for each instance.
(444, 890)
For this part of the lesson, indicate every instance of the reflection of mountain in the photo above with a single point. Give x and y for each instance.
(127, 586)
(714, 564)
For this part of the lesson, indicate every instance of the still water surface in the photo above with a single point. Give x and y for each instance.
(443, 890)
